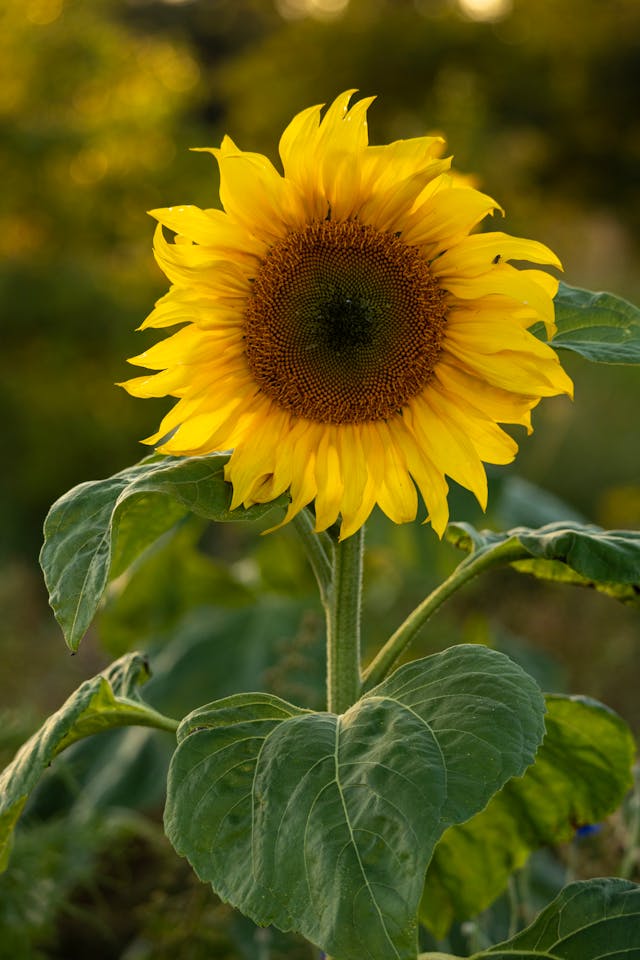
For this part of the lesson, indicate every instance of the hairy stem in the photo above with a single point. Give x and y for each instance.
(342, 609)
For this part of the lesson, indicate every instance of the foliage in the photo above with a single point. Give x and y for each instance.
(101, 102)
(107, 701)
(442, 767)
(581, 773)
(339, 822)
(597, 325)
(589, 921)
(95, 531)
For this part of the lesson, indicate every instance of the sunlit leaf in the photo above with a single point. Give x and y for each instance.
(95, 531)
(582, 554)
(598, 326)
(581, 774)
(108, 700)
(325, 824)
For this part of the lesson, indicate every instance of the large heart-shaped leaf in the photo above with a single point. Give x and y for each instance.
(108, 700)
(325, 824)
(582, 554)
(95, 531)
(590, 920)
(598, 326)
(581, 774)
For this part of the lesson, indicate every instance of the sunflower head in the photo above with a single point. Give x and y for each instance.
(341, 328)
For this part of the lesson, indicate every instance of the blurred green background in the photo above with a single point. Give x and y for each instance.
(99, 104)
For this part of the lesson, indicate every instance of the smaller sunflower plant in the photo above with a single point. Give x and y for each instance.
(345, 337)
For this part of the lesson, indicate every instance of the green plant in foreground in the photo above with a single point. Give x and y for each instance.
(419, 790)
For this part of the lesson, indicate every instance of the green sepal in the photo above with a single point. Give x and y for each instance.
(96, 530)
(325, 824)
(110, 699)
(581, 774)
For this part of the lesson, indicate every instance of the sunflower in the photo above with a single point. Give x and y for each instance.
(343, 331)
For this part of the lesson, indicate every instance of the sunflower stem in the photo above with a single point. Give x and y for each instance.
(382, 664)
(343, 624)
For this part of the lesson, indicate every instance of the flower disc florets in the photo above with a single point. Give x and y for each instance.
(343, 331)
(344, 323)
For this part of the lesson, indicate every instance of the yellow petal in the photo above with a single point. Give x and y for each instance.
(202, 398)
(518, 372)
(298, 149)
(430, 481)
(194, 267)
(444, 214)
(210, 228)
(359, 491)
(254, 461)
(481, 252)
(490, 441)
(448, 445)
(301, 464)
(401, 159)
(495, 337)
(190, 346)
(255, 195)
(198, 433)
(495, 404)
(524, 286)
(387, 208)
(396, 493)
(294, 143)
(154, 385)
(328, 479)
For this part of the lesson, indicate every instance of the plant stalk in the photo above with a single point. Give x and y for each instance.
(343, 611)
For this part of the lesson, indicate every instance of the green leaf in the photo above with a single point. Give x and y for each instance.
(598, 326)
(108, 700)
(95, 531)
(592, 920)
(581, 774)
(325, 824)
(582, 554)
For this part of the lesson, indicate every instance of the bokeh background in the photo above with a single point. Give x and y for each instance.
(100, 101)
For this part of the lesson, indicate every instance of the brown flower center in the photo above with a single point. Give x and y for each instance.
(344, 323)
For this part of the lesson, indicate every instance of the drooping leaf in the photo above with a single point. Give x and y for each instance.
(580, 775)
(275, 644)
(95, 531)
(111, 699)
(582, 554)
(325, 824)
(598, 326)
(591, 920)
